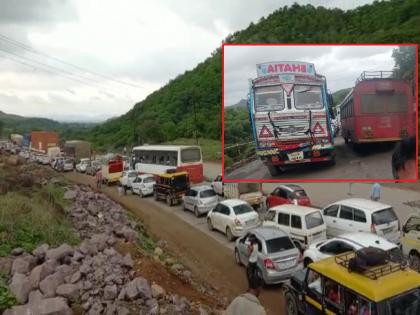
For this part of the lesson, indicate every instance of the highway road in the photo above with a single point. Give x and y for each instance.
(373, 161)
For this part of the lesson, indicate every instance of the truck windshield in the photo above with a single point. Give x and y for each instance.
(269, 98)
(407, 303)
(307, 97)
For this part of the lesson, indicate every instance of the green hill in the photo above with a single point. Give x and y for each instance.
(339, 95)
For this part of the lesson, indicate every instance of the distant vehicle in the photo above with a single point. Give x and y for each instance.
(111, 168)
(290, 110)
(233, 217)
(305, 225)
(57, 162)
(217, 185)
(68, 165)
(200, 199)
(143, 185)
(157, 159)
(53, 152)
(378, 109)
(410, 240)
(78, 149)
(82, 166)
(347, 242)
(44, 160)
(362, 215)
(288, 194)
(278, 258)
(127, 179)
(94, 167)
(248, 192)
(171, 187)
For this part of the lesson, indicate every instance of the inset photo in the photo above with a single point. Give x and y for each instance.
(320, 112)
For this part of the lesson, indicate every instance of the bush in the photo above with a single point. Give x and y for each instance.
(7, 299)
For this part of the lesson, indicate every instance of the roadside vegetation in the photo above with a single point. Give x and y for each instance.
(211, 148)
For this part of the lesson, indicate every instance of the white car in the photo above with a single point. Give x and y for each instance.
(410, 240)
(305, 225)
(81, 167)
(344, 243)
(362, 215)
(44, 160)
(217, 185)
(127, 178)
(142, 185)
(200, 199)
(233, 217)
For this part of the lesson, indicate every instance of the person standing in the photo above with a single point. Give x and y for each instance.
(376, 192)
(99, 179)
(253, 257)
(248, 303)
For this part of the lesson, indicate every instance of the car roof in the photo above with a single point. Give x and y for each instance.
(201, 187)
(233, 202)
(365, 204)
(365, 239)
(291, 187)
(386, 286)
(170, 175)
(302, 210)
(145, 175)
(268, 232)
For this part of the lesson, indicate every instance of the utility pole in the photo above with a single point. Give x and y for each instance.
(195, 117)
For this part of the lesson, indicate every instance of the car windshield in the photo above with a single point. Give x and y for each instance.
(384, 216)
(242, 208)
(313, 219)
(207, 193)
(69, 161)
(298, 194)
(407, 303)
(148, 180)
(307, 97)
(279, 244)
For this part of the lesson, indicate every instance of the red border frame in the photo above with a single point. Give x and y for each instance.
(321, 180)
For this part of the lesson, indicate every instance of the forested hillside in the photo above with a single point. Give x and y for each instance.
(192, 102)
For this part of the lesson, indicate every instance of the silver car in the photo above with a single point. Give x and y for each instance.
(278, 257)
(200, 199)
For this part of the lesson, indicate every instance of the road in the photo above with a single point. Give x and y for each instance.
(374, 161)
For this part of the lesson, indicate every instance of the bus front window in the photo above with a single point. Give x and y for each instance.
(191, 155)
(307, 97)
(269, 98)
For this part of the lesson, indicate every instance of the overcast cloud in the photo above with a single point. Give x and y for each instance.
(143, 43)
(341, 65)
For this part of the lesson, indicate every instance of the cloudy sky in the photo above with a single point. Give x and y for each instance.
(341, 65)
(68, 59)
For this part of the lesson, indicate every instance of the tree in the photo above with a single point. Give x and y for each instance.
(405, 62)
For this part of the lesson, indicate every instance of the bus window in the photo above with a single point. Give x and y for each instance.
(190, 155)
(269, 98)
(397, 103)
(351, 303)
(307, 97)
(366, 307)
(372, 103)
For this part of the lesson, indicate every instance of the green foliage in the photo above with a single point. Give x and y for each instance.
(405, 61)
(7, 299)
(211, 149)
(339, 96)
(30, 219)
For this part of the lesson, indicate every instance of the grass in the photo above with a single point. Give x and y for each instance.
(33, 218)
(7, 299)
(211, 149)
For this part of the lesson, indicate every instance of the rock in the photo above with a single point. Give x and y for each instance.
(162, 243)
(121, 295)
(129, 234)
(92, 208)
(110, 292)
(40, 272)
(60, 252)
(153, 306)
(54, 306)
(17, 251)
(21, 310)
(96, 309)
(187, 274)
(177, 267)
(20, 287)
(128, 261)
(121, 310)
(77, 256)
(99, 241)
(143, 288)
(20, 265)
(70, 194)
(131, 290)
(110, 310)
(157, 291)
(65, 270)
(41, 251)
(69, 291)
(87, 285)
(13, 160)
(75, 277)
(6, 265)
(87, 248)
(50, 284)
(169, 261)
(202, 311)
(35, 297)
(110, 252)
(158, 251)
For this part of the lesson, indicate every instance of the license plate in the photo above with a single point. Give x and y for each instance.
(295, 156)
(388, 230)
(285, 265)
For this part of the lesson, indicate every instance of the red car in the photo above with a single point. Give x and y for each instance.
(287, 194)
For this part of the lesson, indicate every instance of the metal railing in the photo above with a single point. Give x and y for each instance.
(373, 75)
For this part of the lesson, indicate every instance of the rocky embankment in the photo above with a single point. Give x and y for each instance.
(94, 277)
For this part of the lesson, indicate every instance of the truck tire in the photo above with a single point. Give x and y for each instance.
(273, 169)
(291, 303)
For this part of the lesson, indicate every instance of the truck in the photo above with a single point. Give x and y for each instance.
(16, 139)
(78, 149)
(290, 111)
(112, 168)
(249, 192)
(26, 142)
(53, 153)
(42, 140)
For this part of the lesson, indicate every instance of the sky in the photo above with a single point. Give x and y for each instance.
(89, 60)
(341, 65)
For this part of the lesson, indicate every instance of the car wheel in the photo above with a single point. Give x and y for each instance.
(197, 214)
(291, 304)
(210, 224)
(306, 262)
(169, 200)
(229, 234)
(237, 257)
(155, 195)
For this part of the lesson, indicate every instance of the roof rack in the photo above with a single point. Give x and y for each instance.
(373, 75)
(374, 272)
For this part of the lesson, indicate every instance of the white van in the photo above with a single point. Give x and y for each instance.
(362, 215)
(305, 225)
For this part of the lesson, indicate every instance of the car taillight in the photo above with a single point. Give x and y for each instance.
(268, 263)
(237, 222)
(372, 228)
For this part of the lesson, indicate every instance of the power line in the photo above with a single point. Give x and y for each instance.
(29, 48)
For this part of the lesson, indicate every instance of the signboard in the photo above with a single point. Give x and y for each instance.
(285, 67)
